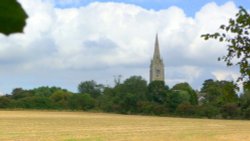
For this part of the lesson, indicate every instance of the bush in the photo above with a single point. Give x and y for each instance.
(4, 102)
(230, 110)
(208, 111)
(185, 109)
(152, 108)
(246, 113)
(81, 102)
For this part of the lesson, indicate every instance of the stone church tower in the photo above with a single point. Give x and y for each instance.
(156, 66)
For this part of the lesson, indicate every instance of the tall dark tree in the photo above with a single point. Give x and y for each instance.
(134, 84)
(187, 88)
(219, 92)
(157, 91)
(90, 87)
(130, 93)
(176, 98)
(237, 39)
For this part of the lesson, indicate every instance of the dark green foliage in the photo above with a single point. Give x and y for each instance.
(12, 17)
(41, 103)
(245, 99)
(245, 103)
(90, 87)
(211, 91)
(176, 98)
(185, 87)
(157, 92)
(230, 110)
(124, 97)
(135, 85)
(152, 108)
(107, 100)
(185, 109)
(180, 98)
(220, 99)
(60, 99)
(4, 102)
(236, 35)
(219, 93)
(81, 102)
(32, 103)
(246, 113)
(18, 93)
(134, 96)
(207, 110)
(129, 103)
(39, 98)
(46, 91)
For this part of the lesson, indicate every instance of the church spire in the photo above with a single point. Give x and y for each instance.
(156, 66)
(157, 49)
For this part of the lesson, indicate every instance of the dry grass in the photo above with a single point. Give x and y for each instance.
(81, 126)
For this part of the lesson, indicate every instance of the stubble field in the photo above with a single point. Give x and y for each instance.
(82, 126)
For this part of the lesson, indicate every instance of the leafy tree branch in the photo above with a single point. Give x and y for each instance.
(236, 35)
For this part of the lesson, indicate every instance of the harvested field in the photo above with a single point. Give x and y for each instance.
(83, 126)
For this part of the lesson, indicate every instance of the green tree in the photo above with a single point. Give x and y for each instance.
(177, 97)
(230, 110)
(33, 102)
(60, 99)
(236, 35)
(12, 17)
(19, 93)
(130, 93)
(124, 97)
(46, 91)
(129, 103)
(134, 85)
(185, 109)
(219, 93)
(186, 87)
(5, 102)
(107, 100)
(152, 108)
(90, 87)
(157, 92)
(81, 102)
(207, 110)
(245, 103)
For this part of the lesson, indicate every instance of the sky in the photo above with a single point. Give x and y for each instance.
(66, 42)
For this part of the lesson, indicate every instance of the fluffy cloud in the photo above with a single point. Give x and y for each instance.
(65, 46)
(225, 75)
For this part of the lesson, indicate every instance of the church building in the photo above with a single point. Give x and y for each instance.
(156, 66)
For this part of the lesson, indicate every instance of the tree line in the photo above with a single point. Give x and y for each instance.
(216, 99)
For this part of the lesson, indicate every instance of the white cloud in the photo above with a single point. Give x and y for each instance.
(182, 74)
(225, 75)
(107, 36)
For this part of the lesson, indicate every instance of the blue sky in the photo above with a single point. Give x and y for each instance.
(190, 7)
